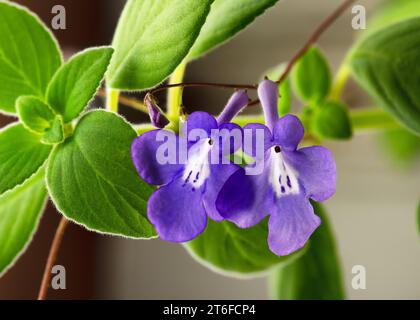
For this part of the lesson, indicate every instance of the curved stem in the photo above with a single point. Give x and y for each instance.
(175, 94)
(112, 96)
(364, 119)
(341, 79)
(372, 119)
(315, 36)
(51, 258)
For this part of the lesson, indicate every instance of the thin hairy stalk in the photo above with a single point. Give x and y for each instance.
(46, 279)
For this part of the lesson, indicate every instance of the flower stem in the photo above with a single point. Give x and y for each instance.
(175, 94)
(112, 96)
(362, 120)
(52, 258)
(341, 79)
(372, 119)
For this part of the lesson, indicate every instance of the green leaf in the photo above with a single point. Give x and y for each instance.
(152, 39)
(230, 250)
(316, 275)
(392, 12)
(34, 114)
(311, 77)
(226, 19)
(21, 155)
(20, 211)
(92, 179)
(285, 90)
(386, 65)
(77, 81)
(55, 134)
(29, 55)
(331, 121)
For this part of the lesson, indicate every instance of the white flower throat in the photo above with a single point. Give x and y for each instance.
(282, 177)
(197, 169)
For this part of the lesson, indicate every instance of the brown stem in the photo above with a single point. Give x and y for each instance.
(205, 85)
(312, 39)
(315, 36)
(51, 258)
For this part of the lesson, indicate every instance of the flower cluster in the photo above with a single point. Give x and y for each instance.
(201, 181)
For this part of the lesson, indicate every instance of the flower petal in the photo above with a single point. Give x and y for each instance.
(177, 212)
(268, 92)
(145, 154)
(256, 135)
(291, 226)
(200, 120)
(316, 170)
(229, 138)
(244, 199)
(219, 175)
(288, 132)
(235, 104)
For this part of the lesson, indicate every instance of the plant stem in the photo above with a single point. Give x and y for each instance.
(52, 258)
(175, 94)
(341, 79)
(133, 103)
(362, 120)
(112, 96)
(315, 36)
(372, 119)
(312, 39)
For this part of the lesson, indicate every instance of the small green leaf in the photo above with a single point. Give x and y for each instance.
(29, 55)
(285, 90)
(331, 121)
(152, 39)
(77, 81)
(34, 114)
(55, 134)
(386, 65)
(92, 179)
(311, 77)
(229, 249)
(316, 275)
(226, 19)
(20, 211)
(21, 155)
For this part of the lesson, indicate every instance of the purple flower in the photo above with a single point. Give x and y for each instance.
(289, 178)
(191, 180)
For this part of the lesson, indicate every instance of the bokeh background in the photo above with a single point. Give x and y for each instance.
(373, 212)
